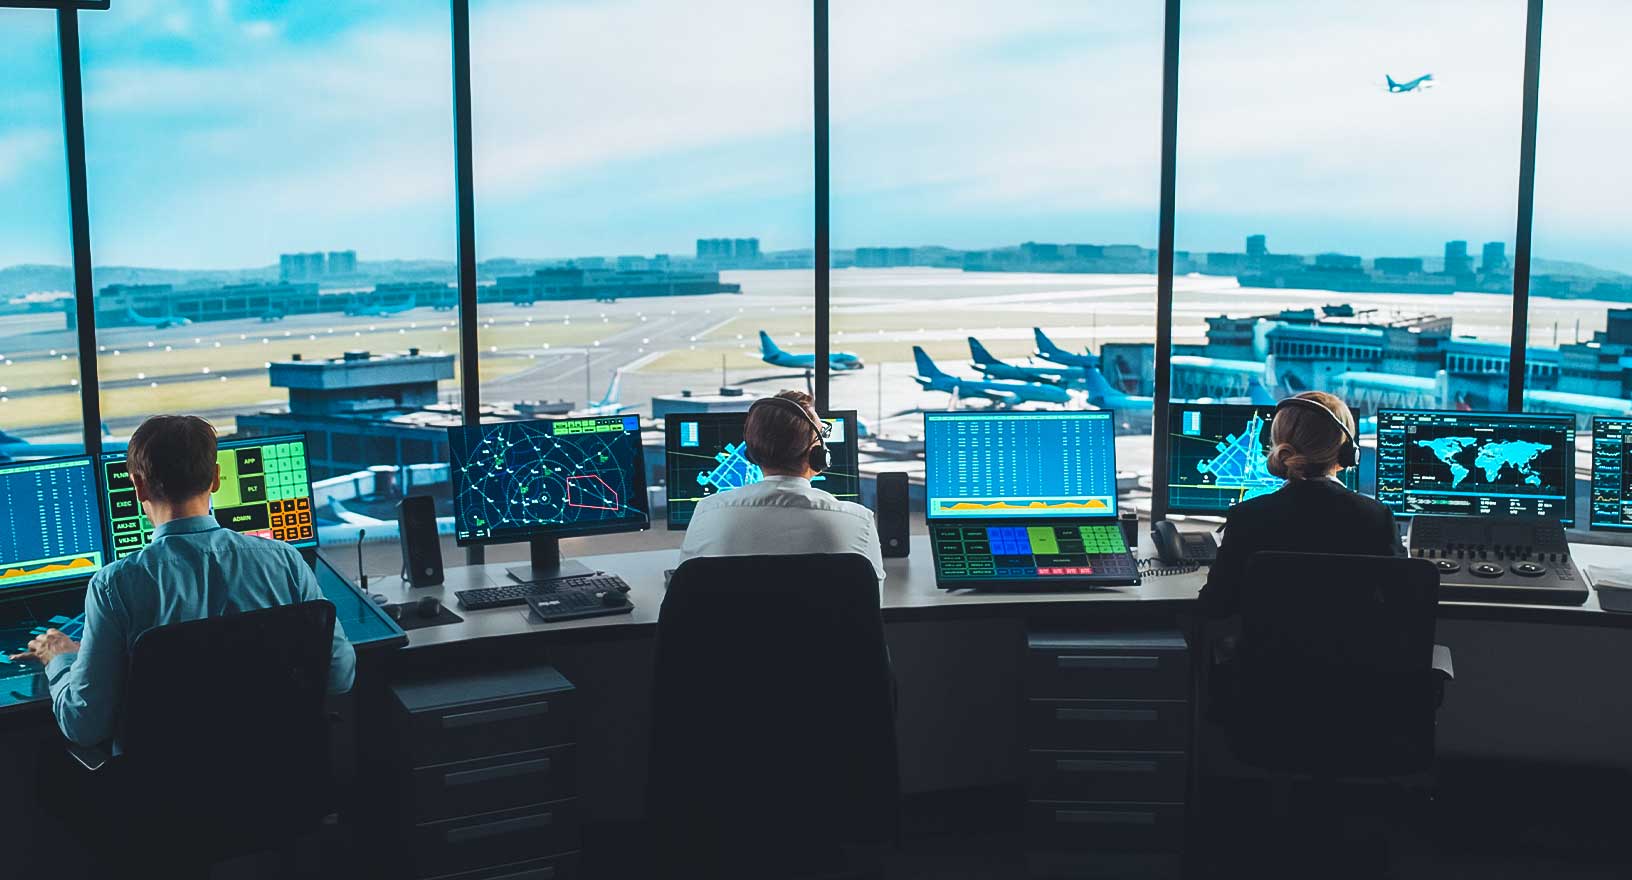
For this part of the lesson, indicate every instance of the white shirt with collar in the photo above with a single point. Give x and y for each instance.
(781, 516)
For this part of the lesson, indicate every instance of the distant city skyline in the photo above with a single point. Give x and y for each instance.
(220, 134)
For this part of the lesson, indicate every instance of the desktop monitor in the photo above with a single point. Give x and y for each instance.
(49, 534)
(266, 492)
(1476, 464)
(704, 454)
(1611, 507)
(540, 480)
(1032, 465)
(1218, 457)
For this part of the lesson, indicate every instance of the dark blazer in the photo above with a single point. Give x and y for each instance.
(1304, 516)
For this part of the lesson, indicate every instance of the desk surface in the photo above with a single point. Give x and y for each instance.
(909, 594)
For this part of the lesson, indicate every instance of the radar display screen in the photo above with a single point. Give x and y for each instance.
(985, 465)
(1476, 464)
(1611, 474)
(49, 530)
(1218, 457)
(513, 481)
(266, 492)
(704, 454)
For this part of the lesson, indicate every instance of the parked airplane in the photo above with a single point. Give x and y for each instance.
(609, 405)
(13, 448)
(161, 322)
(933, 378)
(1421, 82)
(1048, 351)
(377, 309)
(837, 361)
(993, 368)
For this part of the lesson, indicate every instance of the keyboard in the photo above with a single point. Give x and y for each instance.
(518, 594)
(573, 604)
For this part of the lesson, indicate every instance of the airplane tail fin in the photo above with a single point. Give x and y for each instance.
(1100, 390)
(766, 346)
(1045, 346)
(926, 367)
(613, 389)
(1391, 83)
(979, 354)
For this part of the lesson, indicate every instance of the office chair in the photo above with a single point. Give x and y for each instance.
(225, 742)
(773, 731)
(1337, 674)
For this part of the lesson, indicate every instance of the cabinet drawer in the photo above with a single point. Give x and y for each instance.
(1107, 724)
(561, 867)
(483, 785)
(1086, 825)
(1106, 669)
(1139, 777)
(478, 730)
(498, 838)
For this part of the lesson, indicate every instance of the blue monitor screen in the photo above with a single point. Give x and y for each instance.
(49, 528)
(1218, 457)
(513, 481)
(704, 454)
(1611, 474)
(980, 465)
(1476, 464)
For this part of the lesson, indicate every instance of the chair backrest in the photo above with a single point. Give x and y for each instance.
(1335, 662)
(773, 720)
(231, 708)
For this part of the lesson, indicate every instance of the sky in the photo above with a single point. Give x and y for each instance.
(221, 132)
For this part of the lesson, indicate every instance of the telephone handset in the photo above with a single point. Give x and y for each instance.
(1174, 547)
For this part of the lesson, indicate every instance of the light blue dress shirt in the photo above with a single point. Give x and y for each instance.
(194, 568)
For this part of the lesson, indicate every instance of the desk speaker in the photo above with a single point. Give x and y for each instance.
(893, 520)
(421, 548)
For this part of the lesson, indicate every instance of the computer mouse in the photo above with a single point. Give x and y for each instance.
(428, 607)
(612, 599)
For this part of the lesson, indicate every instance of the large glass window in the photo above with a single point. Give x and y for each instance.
(993, 176)
(644, 199)
(39, 363)
(272, 206)
(1347, 183)
(1581, 264)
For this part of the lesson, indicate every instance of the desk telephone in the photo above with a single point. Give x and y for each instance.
(1174, 547)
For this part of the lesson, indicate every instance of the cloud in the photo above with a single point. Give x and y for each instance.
(23, 149)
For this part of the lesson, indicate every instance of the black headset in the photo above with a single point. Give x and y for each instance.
(1349, 454)
(819, 456)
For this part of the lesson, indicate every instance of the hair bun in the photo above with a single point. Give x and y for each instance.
(1285, 461)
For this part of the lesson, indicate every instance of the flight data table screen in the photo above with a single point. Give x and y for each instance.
(266, 492)
(1050, 464)
(979, 553)
(704, 455)
(1612, 473)
(514, 479)
(1476, 464)
(48, 530)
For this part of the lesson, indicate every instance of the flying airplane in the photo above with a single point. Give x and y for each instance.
(608, 405)
(933, 378)
(1048, 351)
(161, 322)
(1421, 82)
(993, 368)
(837, 361)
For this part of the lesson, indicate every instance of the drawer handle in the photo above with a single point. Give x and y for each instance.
(488, 774)
(1104, 817)
(1063, 714)
(488, 716)
(545, 873)
(1078, 765)
(534, 822)
(1071, 661)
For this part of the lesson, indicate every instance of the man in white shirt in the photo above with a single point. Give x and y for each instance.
(783, 513)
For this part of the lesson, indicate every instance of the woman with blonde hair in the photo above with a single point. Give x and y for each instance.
(1312, 439)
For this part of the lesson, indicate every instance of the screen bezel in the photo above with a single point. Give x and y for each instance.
(76, 579)
(929, 463)
(1592, 478)
(1562, 419)
(608, 527)
(671, 442)
(233, 443)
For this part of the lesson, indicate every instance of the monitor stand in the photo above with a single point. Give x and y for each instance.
(547, 564)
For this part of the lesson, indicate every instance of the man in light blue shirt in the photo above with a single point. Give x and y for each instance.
(193, 569)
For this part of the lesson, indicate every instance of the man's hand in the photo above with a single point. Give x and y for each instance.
(47, 646)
